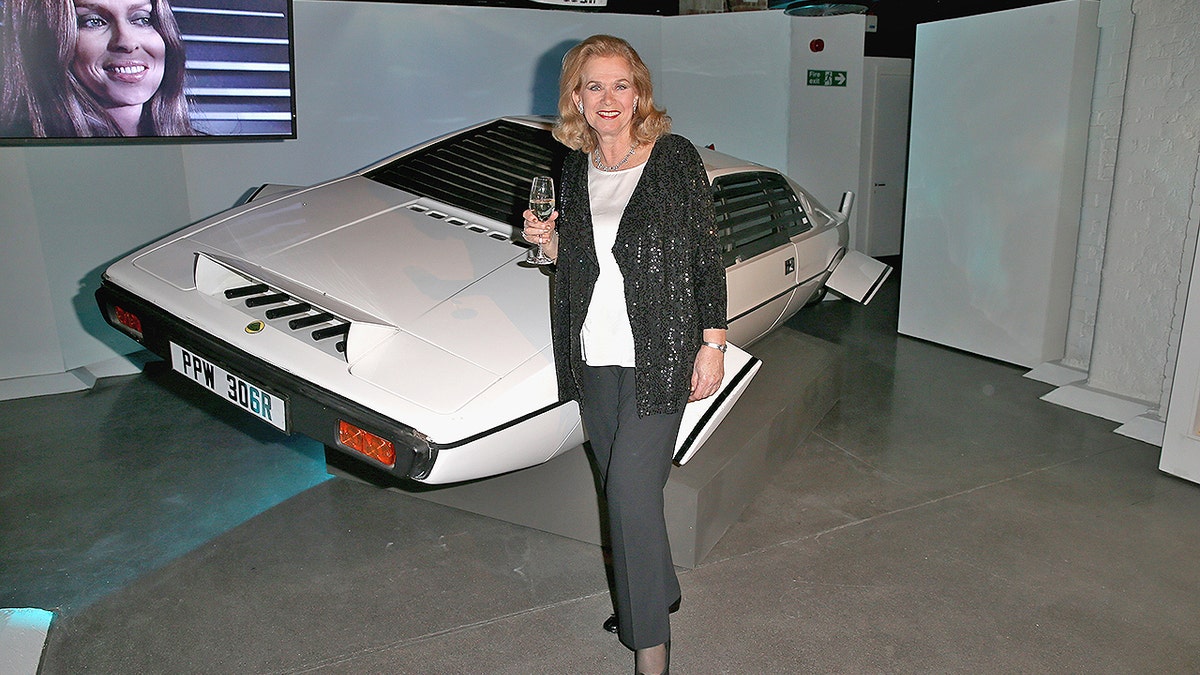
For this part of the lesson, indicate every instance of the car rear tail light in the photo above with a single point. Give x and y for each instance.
(129, 320)
(377, 448)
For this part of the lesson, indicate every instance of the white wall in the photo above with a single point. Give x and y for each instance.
(739, 81)
(1104, 133)
(30, 336)
(1141, 216)
(825, 123)
(1152, 221)
(66, 214)
(731, 74)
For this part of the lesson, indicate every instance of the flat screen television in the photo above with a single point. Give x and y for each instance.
(146, 70)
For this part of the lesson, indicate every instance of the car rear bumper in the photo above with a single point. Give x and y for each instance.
(311, 410)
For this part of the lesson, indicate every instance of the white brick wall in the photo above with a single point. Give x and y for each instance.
(1140, 219)
(1108, 102)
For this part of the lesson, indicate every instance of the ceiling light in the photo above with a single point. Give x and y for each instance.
(818, 7)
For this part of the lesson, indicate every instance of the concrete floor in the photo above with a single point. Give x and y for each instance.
(940, 519)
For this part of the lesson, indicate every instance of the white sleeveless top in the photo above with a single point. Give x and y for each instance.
(606, 337)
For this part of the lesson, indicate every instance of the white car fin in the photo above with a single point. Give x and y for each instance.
(858, 276)
(700, 418)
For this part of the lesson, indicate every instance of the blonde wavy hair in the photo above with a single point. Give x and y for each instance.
(572, 130)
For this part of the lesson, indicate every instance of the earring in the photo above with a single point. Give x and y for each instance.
(635, 106)
(580, 105)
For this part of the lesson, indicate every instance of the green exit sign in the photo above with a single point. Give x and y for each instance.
(826, 78)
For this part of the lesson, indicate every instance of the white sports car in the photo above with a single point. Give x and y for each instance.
(388, 313)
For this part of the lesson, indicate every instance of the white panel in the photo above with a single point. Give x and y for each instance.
(1181, 440)
(1144, 214)
(999, 129)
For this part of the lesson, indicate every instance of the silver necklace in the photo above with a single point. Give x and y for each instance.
(598, 159)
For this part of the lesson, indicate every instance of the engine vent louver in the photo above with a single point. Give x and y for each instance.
(268, 299)
(324, 325)
(331, 331)
(243, 291)
(288, 310)
(485, 170)
(506, 235)
(310, 320)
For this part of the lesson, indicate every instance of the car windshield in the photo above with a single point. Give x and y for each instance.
(486, 170)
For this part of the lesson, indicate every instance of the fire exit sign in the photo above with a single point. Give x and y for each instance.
(826, 78)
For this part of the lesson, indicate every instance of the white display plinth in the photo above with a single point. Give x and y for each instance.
(799, 382)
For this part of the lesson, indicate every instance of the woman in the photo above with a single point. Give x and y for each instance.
(638, 311)
(91, 68)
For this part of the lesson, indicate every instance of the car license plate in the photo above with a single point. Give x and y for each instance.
(238, 391)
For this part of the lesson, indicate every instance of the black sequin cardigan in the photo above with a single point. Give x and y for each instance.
(667, 251)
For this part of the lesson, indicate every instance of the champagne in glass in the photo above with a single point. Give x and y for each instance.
(541, 202)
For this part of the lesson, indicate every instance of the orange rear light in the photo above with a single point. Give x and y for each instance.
(128, 319)
(377, 448)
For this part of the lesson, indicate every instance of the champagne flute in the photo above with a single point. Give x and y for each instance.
(541, 202)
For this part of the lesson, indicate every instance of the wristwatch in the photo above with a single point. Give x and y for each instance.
(719, 346)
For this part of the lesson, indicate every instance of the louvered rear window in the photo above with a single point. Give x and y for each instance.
(485, 170)
(755, 212)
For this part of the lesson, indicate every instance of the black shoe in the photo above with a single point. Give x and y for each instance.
(610, 624)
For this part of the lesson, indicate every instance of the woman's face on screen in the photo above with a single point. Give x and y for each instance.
(119, 54)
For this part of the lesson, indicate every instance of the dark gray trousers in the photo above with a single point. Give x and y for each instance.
(633, 455)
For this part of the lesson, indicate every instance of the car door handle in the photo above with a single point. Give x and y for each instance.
(789, 266)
